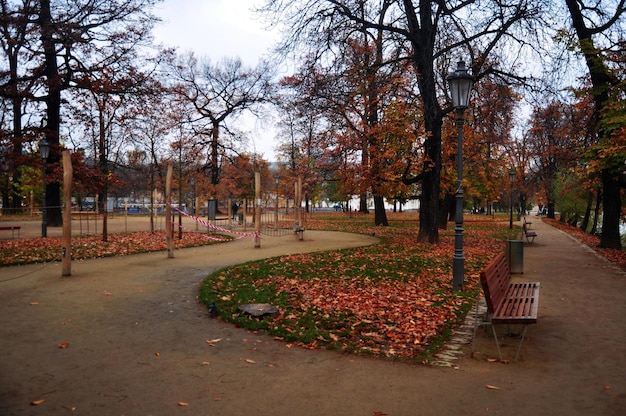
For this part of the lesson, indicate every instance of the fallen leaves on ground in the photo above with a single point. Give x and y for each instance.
(38, 250)
(212, 342)
(390, 299)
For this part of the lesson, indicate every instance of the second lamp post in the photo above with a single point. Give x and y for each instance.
(460, 82)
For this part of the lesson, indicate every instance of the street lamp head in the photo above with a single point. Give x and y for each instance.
(512, 176)
(276, 178)
(44, 149)
(460, 82)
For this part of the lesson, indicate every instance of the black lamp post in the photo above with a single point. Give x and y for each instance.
(44, 150)
(511, 180)
(460, 83)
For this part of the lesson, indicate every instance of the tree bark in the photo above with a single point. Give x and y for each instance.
(53, 111)
(380, 215)
(612, 203)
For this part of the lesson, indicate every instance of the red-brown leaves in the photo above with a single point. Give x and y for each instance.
(36, 250)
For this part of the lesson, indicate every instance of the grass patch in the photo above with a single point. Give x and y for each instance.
(392, 299)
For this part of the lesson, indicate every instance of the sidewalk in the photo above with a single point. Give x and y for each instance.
(138, 344)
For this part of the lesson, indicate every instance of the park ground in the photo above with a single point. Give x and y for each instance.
(127, 336)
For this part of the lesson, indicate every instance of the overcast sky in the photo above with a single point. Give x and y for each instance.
(217, 29)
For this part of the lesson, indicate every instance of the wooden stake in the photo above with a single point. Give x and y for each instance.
(257, 209)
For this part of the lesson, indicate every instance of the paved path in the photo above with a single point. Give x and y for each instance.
(137, 345)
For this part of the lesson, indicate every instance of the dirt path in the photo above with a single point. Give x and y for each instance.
(138, 345)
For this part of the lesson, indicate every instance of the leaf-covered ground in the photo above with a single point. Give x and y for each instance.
(391, 299)
(38, 250)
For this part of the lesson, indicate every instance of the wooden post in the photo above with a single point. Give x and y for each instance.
(297, 209)
(168, 212)
(66, 240)
(257, 209)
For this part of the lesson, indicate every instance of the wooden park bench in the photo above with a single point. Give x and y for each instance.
(530, 235)
(527, 223)
(507, 303)
(12, 228)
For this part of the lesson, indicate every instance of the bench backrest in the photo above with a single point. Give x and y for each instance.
(495, 280)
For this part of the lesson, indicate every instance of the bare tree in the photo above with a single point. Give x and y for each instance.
(215, 94)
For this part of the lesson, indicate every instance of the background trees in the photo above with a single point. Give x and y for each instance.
(600, 32)
(430, 35)
(362, 113)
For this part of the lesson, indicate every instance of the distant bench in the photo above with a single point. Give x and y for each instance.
(530, 235)
(12, 228)
(507, 303)
(528, 223)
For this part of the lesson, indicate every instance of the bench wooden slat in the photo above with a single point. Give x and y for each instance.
(520, 305)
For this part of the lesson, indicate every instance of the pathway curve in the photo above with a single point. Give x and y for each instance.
(138, 345)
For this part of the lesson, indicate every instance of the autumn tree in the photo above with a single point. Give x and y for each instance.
(552, 147)
(17, 84)
(488, 138)
(599, 29)
(353, 93)
(75, 39)
(432, 34)
(302, 129)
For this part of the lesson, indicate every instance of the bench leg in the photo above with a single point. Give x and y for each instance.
(495, 337)
(519, 347)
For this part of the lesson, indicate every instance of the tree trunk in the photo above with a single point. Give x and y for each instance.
(422, 31)
(447, 209)
(215, 171)
(596, 214)
(16, 197)
(380, 215)
(104, 168)
(612, 204)
(53, 111)
(363, 204)
(585, 222)
(431, 186)
(551, 213)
